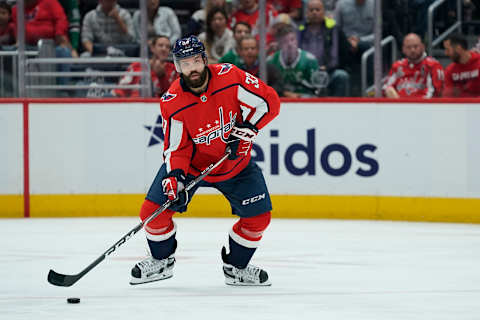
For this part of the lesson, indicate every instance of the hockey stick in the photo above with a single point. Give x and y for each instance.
(64, 280)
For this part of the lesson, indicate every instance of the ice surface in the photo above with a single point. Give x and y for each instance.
(320, 269)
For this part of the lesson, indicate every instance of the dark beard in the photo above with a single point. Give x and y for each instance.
(196, 83)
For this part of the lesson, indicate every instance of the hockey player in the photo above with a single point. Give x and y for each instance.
(417, 75)
(207, 110)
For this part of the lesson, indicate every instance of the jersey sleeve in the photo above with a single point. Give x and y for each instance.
(259, 102)
(391, 78)
(448, 91)
(436, 80)
(178, 146)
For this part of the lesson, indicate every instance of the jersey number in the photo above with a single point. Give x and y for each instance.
(251, 80)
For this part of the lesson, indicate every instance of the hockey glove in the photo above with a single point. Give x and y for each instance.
(173, 185)
(241, 139)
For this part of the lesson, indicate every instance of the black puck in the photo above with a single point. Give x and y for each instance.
(73, 300)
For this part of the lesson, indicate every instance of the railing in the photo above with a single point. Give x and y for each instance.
(431, 43)
(9, 78)
(368, 53)
(36, 83)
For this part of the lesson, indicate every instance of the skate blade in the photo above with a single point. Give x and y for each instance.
(133, 283)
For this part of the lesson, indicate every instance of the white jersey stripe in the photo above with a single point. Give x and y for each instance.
(174, 140)
(430, 88)
(254, 101)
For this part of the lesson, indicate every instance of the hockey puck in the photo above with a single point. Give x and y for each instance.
(73, 300)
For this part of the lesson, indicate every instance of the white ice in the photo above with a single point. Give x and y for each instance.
(320, 269)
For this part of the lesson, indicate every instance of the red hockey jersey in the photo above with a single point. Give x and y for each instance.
(424, 79)
(252, 18)
(196, 127)
(160, 85)
(44, 20)
(463, 80)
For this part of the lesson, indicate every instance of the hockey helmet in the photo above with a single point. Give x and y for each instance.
(187, 47)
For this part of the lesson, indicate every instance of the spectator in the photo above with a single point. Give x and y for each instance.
(72, 11)
(162, 71)
(248, 50)
(462, 76)
(291, 7)
(7, 32)
(45, 19)
(161, 21)
(298, 67)
(248, 12)
(108, 24)
(218, 38)
(321, 37)
(196, 24)
(240, 30)
(356, 19)
(417, 75)
(280, 21)
(329, 6)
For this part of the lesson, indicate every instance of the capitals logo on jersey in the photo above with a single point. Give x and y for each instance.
(219, 129)
(225, 68)
(167, 96)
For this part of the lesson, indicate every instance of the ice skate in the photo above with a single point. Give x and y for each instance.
(249, 276)
(151, 269)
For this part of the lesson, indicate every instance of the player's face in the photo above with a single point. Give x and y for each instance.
(315, 11)
(193, 70)
(161, 48)
(413, 48)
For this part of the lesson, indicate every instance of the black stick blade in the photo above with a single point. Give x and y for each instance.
(61, 280)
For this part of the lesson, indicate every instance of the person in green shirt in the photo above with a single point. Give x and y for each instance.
(298, 67)
(73, 15)
(240, 30)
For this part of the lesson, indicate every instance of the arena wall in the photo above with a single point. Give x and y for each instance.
(349, 159)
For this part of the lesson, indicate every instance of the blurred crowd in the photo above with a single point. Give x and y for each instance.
(314, 47)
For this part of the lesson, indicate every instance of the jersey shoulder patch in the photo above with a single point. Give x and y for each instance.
(224, 68)
(167, 96)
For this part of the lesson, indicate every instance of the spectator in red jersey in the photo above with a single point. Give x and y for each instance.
(462, 76)
(416, 75)
(291, 7)
(163, 72)
(7, 32)
(248, 12)
(45, 19)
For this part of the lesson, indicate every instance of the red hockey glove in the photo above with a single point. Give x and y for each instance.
(173, 185)
(241, 139)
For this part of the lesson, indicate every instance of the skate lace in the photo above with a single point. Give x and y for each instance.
(150, 264)
(250, 273)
